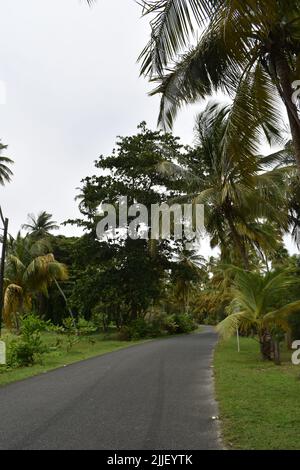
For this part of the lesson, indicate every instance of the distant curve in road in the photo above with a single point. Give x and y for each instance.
(158, 396)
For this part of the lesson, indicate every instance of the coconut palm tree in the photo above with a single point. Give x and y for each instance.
(41, 225)
(239, 193)
(250, 50)
(30, 270)
(258, 303)
(5, 171)
(188, 269)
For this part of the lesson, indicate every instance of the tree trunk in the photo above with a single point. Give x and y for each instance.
(289, 339)
(266, 346)
(276, 346)
(239, 244)
(286, 91)
(67, 305)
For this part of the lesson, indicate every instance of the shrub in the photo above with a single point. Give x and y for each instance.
(184, 323)
(158, 326)
(23, 353)
(28, 348)
(125, 334)
(140, 328)
(86, 327)
(71, 331)
(170, 325)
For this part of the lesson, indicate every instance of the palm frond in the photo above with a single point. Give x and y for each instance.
(13, 299)
(171, 28)
(281, 315)
(232, 323)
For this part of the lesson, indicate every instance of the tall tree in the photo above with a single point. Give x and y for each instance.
(30, 270)
(239, 193)
(134, 269)
(250, 50)
(41, 225)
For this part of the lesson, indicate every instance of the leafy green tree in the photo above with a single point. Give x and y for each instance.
(134, 269)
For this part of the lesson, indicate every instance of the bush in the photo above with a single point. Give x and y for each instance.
(184, 323)
(158, 326)
(23, 353)
(86, 327)
(140, 329)
(170, 325)
(28, 348)
(125, 334)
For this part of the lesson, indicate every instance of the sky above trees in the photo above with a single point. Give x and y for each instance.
(72, 86)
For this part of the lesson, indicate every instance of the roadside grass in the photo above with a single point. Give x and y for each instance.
(61, 354)
(258, 401)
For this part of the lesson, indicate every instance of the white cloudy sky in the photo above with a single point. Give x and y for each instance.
(72, 85)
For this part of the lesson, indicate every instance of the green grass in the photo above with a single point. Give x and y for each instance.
(59, 355)
(258, 401)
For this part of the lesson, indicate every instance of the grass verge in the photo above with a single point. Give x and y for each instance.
(258, 401)
(60, 355)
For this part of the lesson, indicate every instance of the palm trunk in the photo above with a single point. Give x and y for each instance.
(67, 305)
(286, 91)
(239, 244)
(266, 347)
(289, 339)
(277, 353)
(187, 306)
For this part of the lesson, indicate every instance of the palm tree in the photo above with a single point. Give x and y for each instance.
(5, 171)
(239, 194)
(187, 271)
(250, 50)
(41, 225)
(258, 304)
(30, 270)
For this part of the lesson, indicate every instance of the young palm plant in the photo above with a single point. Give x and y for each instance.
(258, 305)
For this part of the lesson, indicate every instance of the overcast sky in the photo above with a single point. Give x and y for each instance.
(72, 86)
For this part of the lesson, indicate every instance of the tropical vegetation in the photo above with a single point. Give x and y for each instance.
(60, 291)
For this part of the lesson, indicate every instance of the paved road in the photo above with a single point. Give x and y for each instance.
(156, 396)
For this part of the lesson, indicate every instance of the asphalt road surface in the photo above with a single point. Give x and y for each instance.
(157, 396)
